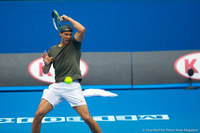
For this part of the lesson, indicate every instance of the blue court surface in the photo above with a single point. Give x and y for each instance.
(132, 111)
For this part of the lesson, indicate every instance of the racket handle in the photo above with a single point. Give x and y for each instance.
(62, 19)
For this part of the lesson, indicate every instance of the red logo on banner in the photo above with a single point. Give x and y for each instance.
(186, 62)
(35, 70)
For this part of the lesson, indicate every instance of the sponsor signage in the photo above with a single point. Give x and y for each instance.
(105, 118)
(116, 68)
(35, 70)
(186, 62)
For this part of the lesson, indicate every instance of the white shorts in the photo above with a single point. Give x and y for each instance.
(59, 92)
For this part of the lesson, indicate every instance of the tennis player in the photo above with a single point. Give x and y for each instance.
(65, 58)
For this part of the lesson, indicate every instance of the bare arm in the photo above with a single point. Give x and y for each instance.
(79, 35)
(46, 69)
(47, 61)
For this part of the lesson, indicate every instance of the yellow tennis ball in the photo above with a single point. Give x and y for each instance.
(68, 80)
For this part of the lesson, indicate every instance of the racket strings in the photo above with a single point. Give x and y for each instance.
(56, 20)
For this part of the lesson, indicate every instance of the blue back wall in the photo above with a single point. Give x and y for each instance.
(111, 26)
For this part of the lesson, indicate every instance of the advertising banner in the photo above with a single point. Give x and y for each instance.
(165, 67)
(110, 68)
(107, 69)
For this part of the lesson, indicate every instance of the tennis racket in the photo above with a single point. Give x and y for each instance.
(56, 20)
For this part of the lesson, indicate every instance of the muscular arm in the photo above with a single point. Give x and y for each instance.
(79, 35)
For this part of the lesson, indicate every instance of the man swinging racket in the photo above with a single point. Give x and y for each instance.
(65, 58)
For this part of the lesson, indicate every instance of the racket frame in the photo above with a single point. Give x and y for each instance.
(56, 25)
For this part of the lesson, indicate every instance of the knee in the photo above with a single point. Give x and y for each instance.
(39, 115)
(88, 119)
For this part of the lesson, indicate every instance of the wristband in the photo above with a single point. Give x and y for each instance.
(46, 64)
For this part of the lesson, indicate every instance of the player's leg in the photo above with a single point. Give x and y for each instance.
(83, 111)
(44, 108)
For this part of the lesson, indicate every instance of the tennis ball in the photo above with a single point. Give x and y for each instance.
(68, 80)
